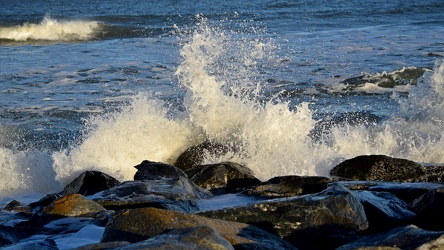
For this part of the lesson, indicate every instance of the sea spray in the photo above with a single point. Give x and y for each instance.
(115, 142)
(50, 29)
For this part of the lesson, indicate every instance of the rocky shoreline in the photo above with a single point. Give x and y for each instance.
(368, 202)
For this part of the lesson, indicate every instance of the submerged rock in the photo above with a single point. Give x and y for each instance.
(379, 168)
(135, 225)
(326, 219)
(89, 183)
(287, 186)
(222, 177)
(406, 237)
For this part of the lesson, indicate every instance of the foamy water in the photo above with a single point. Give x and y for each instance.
(220, 72)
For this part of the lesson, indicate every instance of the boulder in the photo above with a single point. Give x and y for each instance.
(74, 205)
(199, 237)
(17, 207)
(173, 194)
(89, 183)
(135, 225)
(195, 155)
(379, 168)
(324, 220)
(222, 177)
(287, 186)
(43, 244)
(405, 237)
(384, 210)
(150, 170)
(429, 209)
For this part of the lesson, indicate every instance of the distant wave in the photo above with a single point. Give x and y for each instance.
(52, 30)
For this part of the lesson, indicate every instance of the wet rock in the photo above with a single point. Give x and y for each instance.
(384, 210)
(45, 244)
(74, 205)
(288, 186)
(326, 219)
(195, 155)
(45, 201)
(429, 209)
(150, 170)
(379, 168)
(405, 191)
(406, 237)
(173, 194)
(17, 207)
(223, 177)
(105, 245)
(135, 225)
(200, 237)
(89, 183)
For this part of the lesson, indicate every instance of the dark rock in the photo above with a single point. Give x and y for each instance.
(194, 155)
(406, 237)
(433, 173)
(429, 209)
(333, 216)
(7, 237)
(405, 191)
(379, 168)
(223, 177)
(45, 244)
(74, 205)
(200, 237)
(136, 225)
(173, 194)
(45, 201)
(89, 183)
(384, 210)
(17, 207)
(105, 245)
(287, 186)
(150, 170)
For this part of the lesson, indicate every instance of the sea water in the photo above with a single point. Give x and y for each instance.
(104, 85)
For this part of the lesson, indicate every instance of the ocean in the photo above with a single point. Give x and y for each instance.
(292, 87)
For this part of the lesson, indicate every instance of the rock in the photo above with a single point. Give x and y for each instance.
(135, 225)
(326, 219)
(195, 155)
(406, 237)
(429, 209)
(223, 177)
(150, 170)
(379, 168)
(89, 183)
(156, 185)
(45, 201)
(17, 207)
(288, 186)
(105, 245)
(74, 205)
(384, 210)
(44, 244)
(433, 173)
(406, 191)
(173, 194)
(200, 237)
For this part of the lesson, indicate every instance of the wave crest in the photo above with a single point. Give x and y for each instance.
(52, 30)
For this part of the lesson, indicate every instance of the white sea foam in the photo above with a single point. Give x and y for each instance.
(219, 73)
(50, 29)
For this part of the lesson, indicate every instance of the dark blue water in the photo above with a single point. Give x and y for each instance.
(300, 85)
